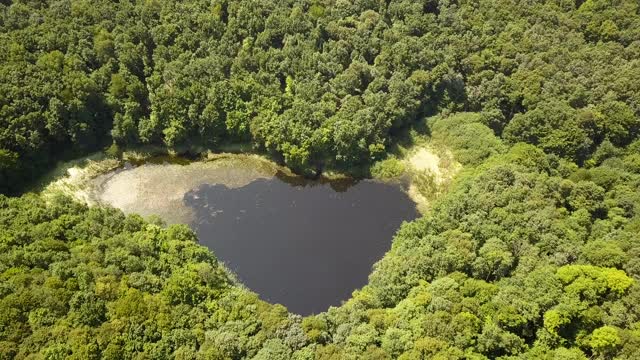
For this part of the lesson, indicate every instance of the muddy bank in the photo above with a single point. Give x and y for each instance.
(159, 188)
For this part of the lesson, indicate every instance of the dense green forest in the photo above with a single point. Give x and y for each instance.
(533, 253)
(316, 82)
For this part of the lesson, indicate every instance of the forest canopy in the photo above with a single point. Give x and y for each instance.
(533, 253)
(316, 82)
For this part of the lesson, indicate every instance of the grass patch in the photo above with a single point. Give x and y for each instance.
(389, 169)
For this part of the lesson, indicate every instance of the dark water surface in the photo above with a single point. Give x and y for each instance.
(304, 246)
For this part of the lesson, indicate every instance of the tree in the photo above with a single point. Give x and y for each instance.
(494, 260)
(604, 340)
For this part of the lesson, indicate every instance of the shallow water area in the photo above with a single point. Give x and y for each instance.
(157, 187)
(304, 244)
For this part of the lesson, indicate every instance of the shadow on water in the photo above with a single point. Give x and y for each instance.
(304, 244)
(339, 185)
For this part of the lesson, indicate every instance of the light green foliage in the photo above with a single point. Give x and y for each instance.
(426, 183)
(604, 340)
(390, 168)
(470, 140)
(569, 354)
(518, 222)
(526, 256)
(273, 349)
(604, 253)
(93, 283)
(587, 281)
(553, 320)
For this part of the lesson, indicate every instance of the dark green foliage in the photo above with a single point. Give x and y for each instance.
(317, 83)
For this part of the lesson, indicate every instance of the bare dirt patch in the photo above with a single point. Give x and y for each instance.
(426, 160)
(431, 172)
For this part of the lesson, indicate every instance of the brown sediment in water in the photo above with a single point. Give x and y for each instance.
(159, 188)
(156, 185)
